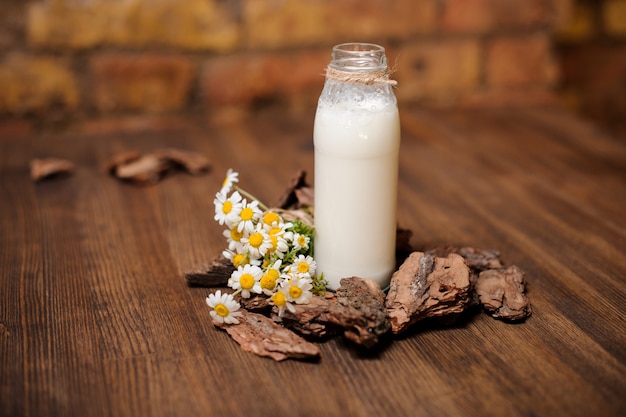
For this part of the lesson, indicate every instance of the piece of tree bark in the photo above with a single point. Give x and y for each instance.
(305, 196)
(501, 292)
(298, 194)
(481, 259)
(257, 303)
(323, 317)
(477, 259)
(41, 168)
(495, 285)
(427, 286)
(260, 335)
(312, 319)
(211, 274)
(365, 296)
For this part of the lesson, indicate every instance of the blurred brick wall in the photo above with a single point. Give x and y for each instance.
(591, 48)
(63, 61)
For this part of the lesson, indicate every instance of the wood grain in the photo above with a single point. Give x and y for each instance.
(96, 318)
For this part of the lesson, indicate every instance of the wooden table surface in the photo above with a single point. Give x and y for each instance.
(96, 318)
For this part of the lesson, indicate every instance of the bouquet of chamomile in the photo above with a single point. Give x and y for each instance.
(271, 256)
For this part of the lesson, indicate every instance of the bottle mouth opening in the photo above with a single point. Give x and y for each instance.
(358, 57)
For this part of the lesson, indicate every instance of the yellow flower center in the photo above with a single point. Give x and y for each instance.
(221, 310)
(268, 281)
(274, 242)
(279, 299)
(303, 267)
(246, 281)
(270, 217)
(227, 206)
(301, 240)
(225, 182)
(239, 259)
(295, 291)
(275, 230)
(235, 235)
(247, 213)
(256, 239)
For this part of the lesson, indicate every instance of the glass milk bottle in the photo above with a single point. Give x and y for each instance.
(356, 138)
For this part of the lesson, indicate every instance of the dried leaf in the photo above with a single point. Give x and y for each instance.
(192, 162)
(121, 158)
(150, 168)
(41, 168)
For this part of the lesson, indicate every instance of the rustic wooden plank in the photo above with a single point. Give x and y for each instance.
(13, 226)
(53, 308)
(96, 318)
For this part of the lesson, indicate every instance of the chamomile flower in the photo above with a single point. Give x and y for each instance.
(280, 300)
(246, 279)
(233, 237)
(228, 209)
(240, 258)
(271, 218)
(304, 266)
(257, 243)
(270, 278)
(279, 237)
(298, 290)
(232, 177)
(248, 216)
(300, 241)
(225, 308)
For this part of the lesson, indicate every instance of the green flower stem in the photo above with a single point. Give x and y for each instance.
(251, 197)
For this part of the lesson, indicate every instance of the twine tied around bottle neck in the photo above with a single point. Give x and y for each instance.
(361, 77)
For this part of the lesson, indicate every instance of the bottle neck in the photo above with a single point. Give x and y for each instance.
(358, 57)
(358, 71)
